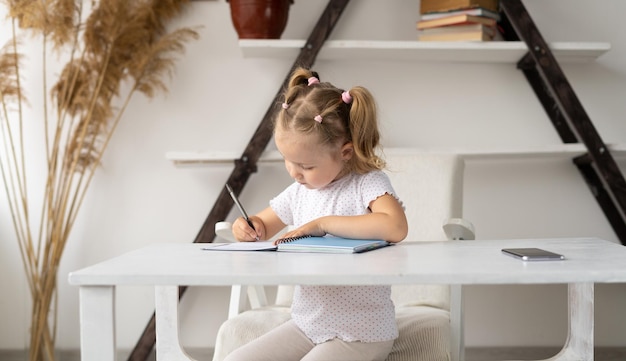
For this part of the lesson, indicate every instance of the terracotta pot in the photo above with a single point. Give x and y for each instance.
(259, 19)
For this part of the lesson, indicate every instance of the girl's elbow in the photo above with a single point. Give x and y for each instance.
(399, 234)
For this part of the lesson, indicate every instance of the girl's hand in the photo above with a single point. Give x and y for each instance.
(313, 228)
(244, 233)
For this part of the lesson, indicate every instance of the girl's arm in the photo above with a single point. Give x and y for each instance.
(266, 223)
(386, 221)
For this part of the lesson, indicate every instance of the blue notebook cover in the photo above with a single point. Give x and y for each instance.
(304, 244)
(329, 244)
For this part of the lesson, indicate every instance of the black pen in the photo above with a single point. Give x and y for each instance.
(243, 211)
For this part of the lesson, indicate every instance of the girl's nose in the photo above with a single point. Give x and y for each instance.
(293, 173)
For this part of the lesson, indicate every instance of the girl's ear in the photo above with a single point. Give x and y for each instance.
(347, 151)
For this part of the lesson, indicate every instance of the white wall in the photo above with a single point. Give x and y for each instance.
(217, 99)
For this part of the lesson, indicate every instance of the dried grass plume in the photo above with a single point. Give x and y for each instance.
(120, 42)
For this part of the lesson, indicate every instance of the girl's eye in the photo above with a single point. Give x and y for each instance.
(306, 167)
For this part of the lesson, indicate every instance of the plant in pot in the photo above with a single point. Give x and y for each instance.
(259, 19)
(117, 50)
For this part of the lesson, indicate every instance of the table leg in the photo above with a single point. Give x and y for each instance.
(457, 324)
(579, 343)
(97, 323)
(166, 313)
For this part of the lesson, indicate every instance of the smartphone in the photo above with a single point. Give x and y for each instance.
(532, 254)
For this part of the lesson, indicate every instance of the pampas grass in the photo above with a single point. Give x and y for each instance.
(121, 42)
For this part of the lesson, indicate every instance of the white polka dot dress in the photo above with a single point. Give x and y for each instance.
(350, 313)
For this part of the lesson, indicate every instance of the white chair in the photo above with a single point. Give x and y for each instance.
(429, 317)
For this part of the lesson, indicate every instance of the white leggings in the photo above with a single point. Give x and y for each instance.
(288, 343)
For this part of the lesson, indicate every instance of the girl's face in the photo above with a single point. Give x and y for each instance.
(310, 163)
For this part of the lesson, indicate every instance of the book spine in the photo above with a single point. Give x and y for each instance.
(475, 11)
(427, 6)
(455, 20)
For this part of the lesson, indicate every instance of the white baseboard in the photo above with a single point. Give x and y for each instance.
(471, 354)
(536, 353)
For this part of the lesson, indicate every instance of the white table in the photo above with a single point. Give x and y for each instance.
(166, 266)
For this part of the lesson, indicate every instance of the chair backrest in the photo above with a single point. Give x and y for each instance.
(431, 188)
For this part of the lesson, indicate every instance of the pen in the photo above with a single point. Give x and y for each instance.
(243, 211)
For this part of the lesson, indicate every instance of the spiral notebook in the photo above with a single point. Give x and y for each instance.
(313, 244)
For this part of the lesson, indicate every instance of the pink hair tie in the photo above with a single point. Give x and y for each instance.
(318, 118)
(313, 80)
(285, 105)
(346, 97)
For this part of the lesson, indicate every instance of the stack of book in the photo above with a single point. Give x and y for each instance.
(458, 20)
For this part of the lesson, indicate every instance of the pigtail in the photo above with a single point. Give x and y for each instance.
(297, 85)
(364, 130)
(299, 78)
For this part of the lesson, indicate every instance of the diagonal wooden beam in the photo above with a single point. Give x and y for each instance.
(569, 117)
(583, 163)
(602, 196)
(546, 99)
(246, 165)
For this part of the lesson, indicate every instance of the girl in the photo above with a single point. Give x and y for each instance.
(328, 139)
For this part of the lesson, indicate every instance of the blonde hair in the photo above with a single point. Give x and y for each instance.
(354, 122)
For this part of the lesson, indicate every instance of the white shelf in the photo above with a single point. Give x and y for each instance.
(193, 158)
(557, 151)
(484, 52)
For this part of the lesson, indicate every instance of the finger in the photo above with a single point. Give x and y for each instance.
(243, 231)
(252, 229)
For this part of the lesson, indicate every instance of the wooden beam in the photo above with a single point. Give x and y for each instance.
(601, 195)
(246, 165)
(583, 163)
(570, 119)
(548, 102)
